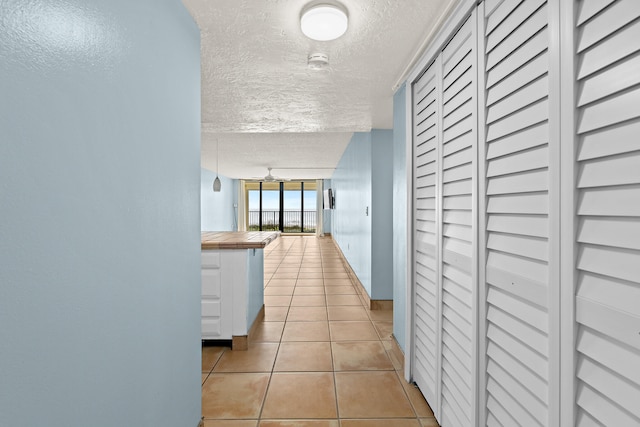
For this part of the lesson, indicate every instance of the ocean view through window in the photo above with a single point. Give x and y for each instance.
(289, 207)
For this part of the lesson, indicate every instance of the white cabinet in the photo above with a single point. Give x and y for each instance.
(232, 291)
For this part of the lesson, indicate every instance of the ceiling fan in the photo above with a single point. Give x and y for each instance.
(271, 178)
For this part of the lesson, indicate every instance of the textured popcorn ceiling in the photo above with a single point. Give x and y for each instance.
(268, 109)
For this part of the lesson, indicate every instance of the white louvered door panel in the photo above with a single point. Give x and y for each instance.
(426, 249)
(458, 266)
(608, 213)
(517, 159)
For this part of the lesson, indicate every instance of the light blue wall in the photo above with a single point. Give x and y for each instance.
(255, 282)
(381, 213)
(100, 214)
(361, 220)
(351, 227)
(217, 209)
(400, 207)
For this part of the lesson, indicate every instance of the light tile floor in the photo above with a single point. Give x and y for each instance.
(319, 358)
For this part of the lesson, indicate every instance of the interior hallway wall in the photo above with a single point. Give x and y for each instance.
(351, 227)
(361, 220)
(99, 200)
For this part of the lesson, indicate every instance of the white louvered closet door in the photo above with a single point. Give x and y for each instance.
(458, 267)
(445, 270)
(516, 214)
(426, 256)
(608, 213)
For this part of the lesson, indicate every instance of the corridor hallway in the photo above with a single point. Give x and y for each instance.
(319, 358)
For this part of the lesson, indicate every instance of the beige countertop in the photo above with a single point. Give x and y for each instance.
(237, 239)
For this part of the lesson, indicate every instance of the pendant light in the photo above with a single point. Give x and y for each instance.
(216, 183)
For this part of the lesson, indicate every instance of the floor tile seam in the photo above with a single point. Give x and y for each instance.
(335, 386)
(264, 398)
(400, 380)
(214, 363)
(218, 360)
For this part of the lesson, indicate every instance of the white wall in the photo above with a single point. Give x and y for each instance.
(100, 227)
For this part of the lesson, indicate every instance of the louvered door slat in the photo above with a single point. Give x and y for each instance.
(534, 407)
(525, 29)
(517, 160)
(526, 160)
(525, 287)
(522, 182)
(512, 22)
(522, 55)
(614, 170)
(530, 137)
(608, 213)
(495, 15)
(611, 80)
(521, 77)
(613, 48)
(587, 9)
(525, 225)
(607, 22)
(520, 372)
(520, 98)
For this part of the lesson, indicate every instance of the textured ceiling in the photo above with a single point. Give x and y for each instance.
(268, 109)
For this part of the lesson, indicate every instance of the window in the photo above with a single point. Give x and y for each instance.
(286, 206)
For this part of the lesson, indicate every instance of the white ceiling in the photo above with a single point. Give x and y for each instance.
(266, 108)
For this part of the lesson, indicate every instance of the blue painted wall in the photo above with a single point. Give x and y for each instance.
(362, 190)
(381, 213)
(255, 282)
(217, 209)
(100, 214)
(351, 226)
(400, 207)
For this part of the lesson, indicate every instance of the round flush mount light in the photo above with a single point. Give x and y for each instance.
(324, 22)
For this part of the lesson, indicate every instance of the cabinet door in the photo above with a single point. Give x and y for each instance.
(217, 298)
(607, 162)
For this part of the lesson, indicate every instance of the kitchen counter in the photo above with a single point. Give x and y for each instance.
(237, 239)
(232, 265)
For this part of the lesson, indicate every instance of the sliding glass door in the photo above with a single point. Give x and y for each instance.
(286, 206)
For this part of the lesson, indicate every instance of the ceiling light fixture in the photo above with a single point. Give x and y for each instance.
(216, 183)
(317, 61)
(324, 22)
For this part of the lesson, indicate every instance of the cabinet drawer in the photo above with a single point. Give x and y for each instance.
(210, 308)
(211, 283)
(210, 259)
(211, 328)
